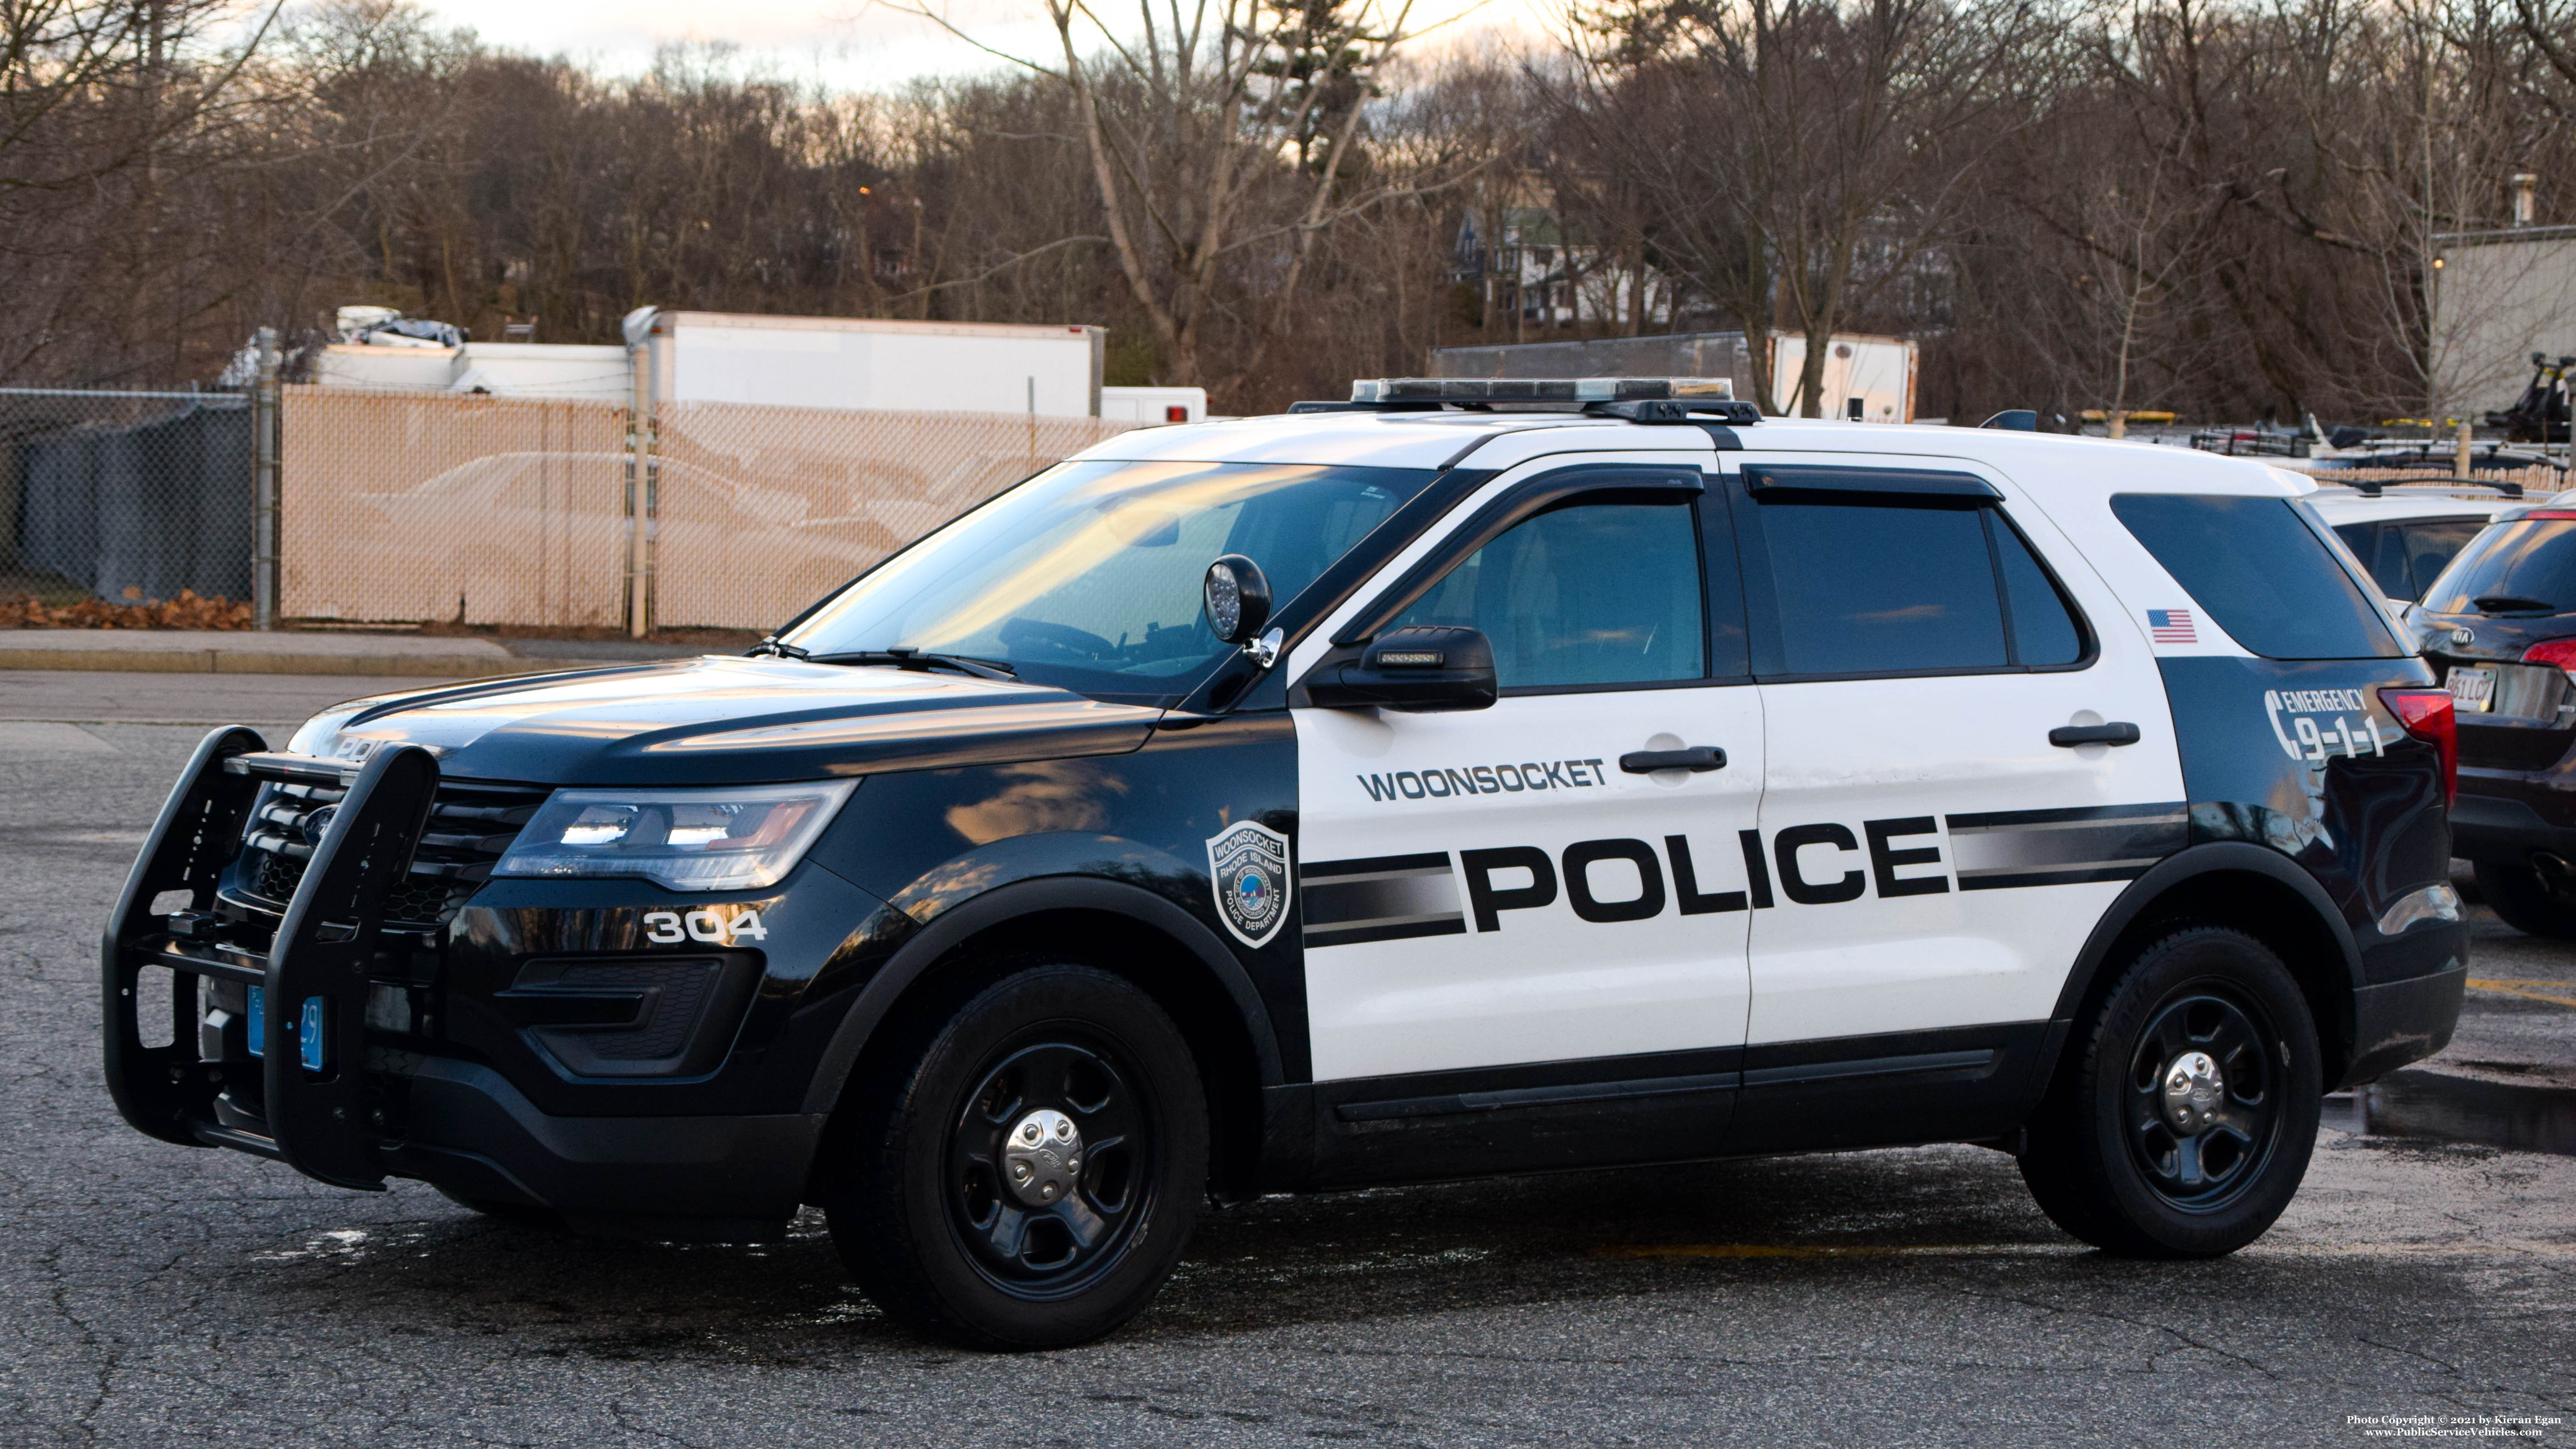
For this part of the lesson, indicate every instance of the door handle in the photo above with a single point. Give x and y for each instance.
(1695, 758)
(2115, 733)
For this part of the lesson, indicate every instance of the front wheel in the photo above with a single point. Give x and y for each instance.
(1024, 1173)
(2180, 1126)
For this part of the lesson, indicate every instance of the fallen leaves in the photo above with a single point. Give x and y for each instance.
(188, 611)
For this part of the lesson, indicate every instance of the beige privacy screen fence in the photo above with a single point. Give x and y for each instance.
(485, 510)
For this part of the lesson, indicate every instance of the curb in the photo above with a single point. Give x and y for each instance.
(255, 661)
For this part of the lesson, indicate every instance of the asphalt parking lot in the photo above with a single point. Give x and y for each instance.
(156, 1295)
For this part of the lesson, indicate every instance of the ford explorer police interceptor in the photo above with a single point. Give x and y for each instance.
(1391, 791)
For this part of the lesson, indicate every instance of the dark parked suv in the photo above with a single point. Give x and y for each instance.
(2500, 625)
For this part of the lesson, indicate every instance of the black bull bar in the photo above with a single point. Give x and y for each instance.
(313, 1112)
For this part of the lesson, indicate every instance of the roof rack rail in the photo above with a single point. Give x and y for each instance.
(1638, 399)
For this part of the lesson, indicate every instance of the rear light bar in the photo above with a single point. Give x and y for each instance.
(2426, 714)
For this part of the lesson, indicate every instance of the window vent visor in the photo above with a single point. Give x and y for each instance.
(1778, 479)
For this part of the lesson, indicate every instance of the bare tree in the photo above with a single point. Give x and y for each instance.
(1830, 142)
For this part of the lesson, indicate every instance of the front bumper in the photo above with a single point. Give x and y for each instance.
(338, 1096)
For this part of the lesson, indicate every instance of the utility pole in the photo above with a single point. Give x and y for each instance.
(639, 492)
(265, 438)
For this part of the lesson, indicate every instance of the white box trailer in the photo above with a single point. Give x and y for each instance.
(1866, 377)
(875, 364)
(1152, 405)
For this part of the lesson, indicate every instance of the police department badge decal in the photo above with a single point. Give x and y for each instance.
(1248, 864)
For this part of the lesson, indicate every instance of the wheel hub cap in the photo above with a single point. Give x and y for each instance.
(1042, 1157)
(2193, 1091)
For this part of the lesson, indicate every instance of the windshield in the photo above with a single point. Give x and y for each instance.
(2524, 567)
(1087, 576)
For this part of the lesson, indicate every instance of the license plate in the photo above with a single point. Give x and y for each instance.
(2473, 690)
(258, 1023)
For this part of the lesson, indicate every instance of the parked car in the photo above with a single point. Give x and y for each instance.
(2500, 626)
(2405, 533)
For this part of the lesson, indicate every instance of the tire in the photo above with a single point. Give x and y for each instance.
(2525, 901)
(2108, 1158)
(1098, 1096)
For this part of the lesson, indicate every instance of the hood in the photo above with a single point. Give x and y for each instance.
(719, 720)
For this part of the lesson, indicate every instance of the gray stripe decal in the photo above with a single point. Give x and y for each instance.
(2002, 849)
(1381, 898)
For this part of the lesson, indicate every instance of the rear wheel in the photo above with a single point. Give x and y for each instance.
(2181, 1123)
(1025, 1172)
(2528, 901)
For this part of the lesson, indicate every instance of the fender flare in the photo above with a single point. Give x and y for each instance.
(2209, 858)
(1027, 897)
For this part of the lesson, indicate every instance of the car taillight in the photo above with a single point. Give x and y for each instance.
(1176, 413)
(2561, 652)
(2426, 714)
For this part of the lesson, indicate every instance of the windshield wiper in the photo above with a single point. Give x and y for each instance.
(917, 659)
(771, 645)
(2512, 604)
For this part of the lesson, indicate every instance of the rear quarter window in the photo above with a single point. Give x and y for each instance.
(2260, 570)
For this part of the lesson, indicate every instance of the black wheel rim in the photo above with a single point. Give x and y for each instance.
(1051, 1249)
(2207, 1162)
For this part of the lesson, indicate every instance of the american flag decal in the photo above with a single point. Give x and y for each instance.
(2171, 626)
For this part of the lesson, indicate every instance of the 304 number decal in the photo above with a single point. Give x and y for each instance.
(721, 925)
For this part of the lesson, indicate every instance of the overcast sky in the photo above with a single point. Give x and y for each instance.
(850, 44)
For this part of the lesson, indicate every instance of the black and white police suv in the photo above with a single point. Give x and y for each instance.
(1389, 791)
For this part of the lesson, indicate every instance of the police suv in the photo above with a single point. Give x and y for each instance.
(1475, 777)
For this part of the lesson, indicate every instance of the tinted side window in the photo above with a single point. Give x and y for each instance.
(1600, 593)
(2255, 566)
(2430, 547)
(1874, 587)
(2043, 627)
(2381, 550)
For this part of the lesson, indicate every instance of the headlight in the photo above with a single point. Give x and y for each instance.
(741, 838)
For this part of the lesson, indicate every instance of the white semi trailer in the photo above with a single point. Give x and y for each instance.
(872, 364)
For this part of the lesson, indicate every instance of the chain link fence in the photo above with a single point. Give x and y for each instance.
(400, 507)
(127, 497)
(486, 510)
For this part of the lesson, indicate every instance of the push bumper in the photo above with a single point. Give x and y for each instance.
(319, 1095)
(306, 1099)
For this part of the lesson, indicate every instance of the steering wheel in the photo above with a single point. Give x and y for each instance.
(1017, 632)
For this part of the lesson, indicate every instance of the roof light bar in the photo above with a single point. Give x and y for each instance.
(1575, 391)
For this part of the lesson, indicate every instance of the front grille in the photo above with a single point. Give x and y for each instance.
(470, 825)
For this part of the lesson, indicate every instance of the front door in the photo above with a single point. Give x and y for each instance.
(1494, 887)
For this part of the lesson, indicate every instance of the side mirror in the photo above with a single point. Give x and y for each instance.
(1236, 598)
(1421, 669)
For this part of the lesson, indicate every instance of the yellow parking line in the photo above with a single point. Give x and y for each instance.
(2523, 988)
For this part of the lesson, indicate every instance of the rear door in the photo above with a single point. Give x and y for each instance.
(1947, 809)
